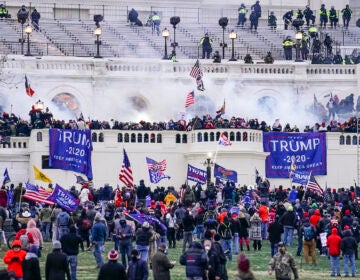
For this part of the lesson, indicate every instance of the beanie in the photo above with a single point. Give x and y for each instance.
(347, 212)
(243, 263)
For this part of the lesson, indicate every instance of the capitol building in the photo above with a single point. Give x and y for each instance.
(120, 74)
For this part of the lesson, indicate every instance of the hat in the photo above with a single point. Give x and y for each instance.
(162, 247)
(134, 252)
(243, 263)
(281, 243)
(146, 225)
(314, 205)
(16, 243)
(56, 245)
(200, 210)
(290, 208)
(347, 212)
(113, 255)
(26, 214)
(346, 227)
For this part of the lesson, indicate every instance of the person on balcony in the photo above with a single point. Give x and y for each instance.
(288, 45)
(206, 43)
(323, 16)
(309, 16)
(242, 15)
(22, 14)
(334, 17)
(272, 21)
(346, 15)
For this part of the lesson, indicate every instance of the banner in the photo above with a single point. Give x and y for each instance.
(224, 174)
(70, 149)
(300, 177)
(306, 150)
(196, 174)
(63, 198)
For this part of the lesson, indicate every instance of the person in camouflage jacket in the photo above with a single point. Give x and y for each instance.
(283, 263)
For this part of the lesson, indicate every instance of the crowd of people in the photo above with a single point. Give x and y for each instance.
(214, 222)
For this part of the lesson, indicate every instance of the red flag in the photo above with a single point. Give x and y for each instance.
(125, 175)
(28, 89)
(190, 99)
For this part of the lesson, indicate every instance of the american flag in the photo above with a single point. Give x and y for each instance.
(223, 140)
(125, 175)
(35, 193)
(314, 186)
(160, 167)
(196, 70)
(190, 99)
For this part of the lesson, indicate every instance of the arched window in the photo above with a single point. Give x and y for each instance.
(159, 138)
(120, 138)
(206, 137)
(348, 140)
(245, 136)
(152, 138)
(127, 138)
(184, 138)
(342, 140)
(101, 137)
(139, 138)
(133, 138)
(232, 136)
(217, 135)
(94, 137)
(39, 136)
(178, 138)
(238, 136)
(199, 137)
(354, 140)
(146, 138)
(212, 136)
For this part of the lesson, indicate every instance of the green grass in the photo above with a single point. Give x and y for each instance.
(258, 261)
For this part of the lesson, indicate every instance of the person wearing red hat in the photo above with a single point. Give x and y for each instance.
(14, 258)
(347, 219)
(112, 268)
(244, 268)
(333, 242)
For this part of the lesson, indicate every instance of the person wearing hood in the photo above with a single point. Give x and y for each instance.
(14, 258)
(244, 269)
(56, 265)
(255, 231)
(333, 242)
(37, 235)
(309, 234)
(275, 230)
(30, 265)
(195, 260)
(138, 269)
(348, 246)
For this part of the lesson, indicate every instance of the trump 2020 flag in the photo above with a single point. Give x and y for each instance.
(63, 198)
(300, 177)
(156, 170)
(196, 174)
(70, 149)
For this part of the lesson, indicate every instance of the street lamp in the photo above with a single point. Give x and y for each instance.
(232, 36)
(223, 22)
(39, 105)
(174, 21)
(97, 33)
(165, 33)
(28, 31)
(298, 37)
(208, 163)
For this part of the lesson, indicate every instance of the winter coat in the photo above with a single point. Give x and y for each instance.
(111, 269)
(138, 270)
(255, 228)
(98, 232)
(348, 243)
(244, 225)
(195, 260)
(333, 243)
(14, 259)
(56, 266)
(288, 219)
(275, 230)
(35, 232)
(161, 266)
(31, 267)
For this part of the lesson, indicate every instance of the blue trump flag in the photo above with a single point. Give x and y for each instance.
(225, 174)
(300, 177)
(63, 198)
(156, 170)
(196, 174)
(307, 151)
(70, 149)
(6, 177)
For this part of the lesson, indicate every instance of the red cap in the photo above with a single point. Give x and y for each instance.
(347, 212)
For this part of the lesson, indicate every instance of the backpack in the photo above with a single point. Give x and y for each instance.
(85, 224)
(227, 232)
(24, 241)
(308, 233)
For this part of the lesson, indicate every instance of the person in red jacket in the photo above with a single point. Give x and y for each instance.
(14, 258)
(22, 231)
(333, 243)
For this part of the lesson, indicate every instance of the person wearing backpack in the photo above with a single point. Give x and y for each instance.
(225, 233)
(24, 237)
(63, 222)
(308, 232)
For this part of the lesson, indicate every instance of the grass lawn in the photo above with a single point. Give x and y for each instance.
(258, 261)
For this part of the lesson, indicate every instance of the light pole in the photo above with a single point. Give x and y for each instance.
(174, 21)
(208, 163)
(97, 33)
(223, 22)
(22, 39)
(298, 37)
(165, 33)
(28, 31)
(39, 105)
(232, 36)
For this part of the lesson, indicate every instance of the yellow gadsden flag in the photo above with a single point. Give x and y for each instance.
(40, 175)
